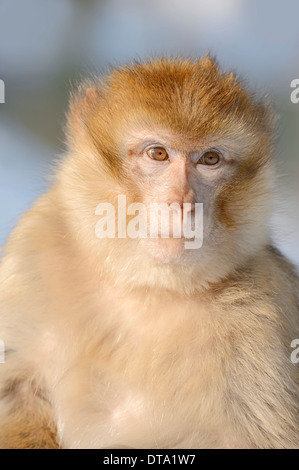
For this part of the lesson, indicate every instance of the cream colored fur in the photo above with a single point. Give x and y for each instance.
(114, 348)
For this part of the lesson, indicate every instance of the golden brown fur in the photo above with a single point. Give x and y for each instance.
(27, 425)
(124, 344)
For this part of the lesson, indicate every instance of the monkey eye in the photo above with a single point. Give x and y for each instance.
(210, 158)
(157, 153)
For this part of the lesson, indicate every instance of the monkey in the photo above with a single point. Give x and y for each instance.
(140, 342)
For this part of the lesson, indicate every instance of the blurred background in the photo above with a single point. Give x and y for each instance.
(45, 45)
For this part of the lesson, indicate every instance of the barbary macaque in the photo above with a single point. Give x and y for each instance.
(146, 342)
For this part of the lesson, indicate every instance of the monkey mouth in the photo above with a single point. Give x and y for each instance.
(173, 237)
(170, 237)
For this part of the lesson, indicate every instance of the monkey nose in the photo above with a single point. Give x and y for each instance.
(184, 207)
(184, 203)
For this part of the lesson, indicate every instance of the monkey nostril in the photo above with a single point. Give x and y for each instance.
(183, 208)
(183, 204)
(189, 206)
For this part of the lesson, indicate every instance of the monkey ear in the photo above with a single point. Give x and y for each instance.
(83, 104)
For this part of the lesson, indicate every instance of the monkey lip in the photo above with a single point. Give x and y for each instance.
(161, 236)
(167, 250)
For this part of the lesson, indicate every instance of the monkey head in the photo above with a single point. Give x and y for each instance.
(175, 132)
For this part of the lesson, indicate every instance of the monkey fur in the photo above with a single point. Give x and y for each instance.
(128, 343)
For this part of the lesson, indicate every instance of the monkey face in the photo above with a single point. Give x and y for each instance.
(177, 133)
(168, 170)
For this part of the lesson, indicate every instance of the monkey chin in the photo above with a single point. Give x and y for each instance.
(168, 250)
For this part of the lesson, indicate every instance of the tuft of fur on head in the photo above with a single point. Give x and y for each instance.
(195, 101)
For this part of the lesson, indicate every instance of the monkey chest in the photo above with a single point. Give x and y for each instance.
(163, 366)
